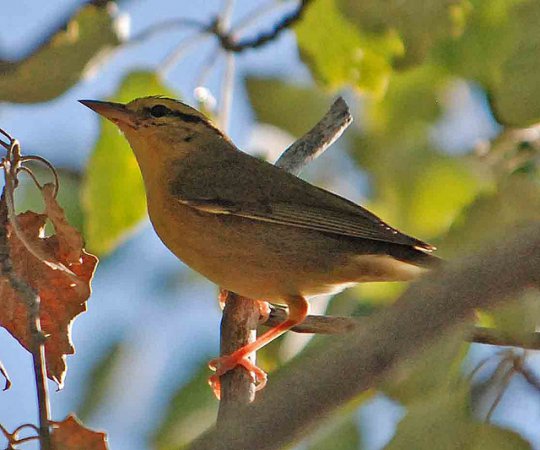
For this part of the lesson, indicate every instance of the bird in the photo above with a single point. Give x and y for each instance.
(251, 227)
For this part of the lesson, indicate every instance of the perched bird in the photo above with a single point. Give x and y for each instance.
(249, 226)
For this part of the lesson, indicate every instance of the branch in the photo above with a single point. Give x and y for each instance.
(320, 383)
(341, 325)
(241, 315)
(228, 43)
(238, 328)
(316, 140)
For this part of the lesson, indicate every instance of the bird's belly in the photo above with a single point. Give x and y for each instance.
(263, 260)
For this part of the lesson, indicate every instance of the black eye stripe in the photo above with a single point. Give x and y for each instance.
(161, 111)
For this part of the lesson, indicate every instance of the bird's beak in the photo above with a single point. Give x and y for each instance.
(115, 112)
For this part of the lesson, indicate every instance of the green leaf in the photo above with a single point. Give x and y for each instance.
(61, 61)
(113, 196)
(338, 54)
(192, 410)
(290, 107)
(418, 23)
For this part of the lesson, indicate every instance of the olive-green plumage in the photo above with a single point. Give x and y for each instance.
(249, 226)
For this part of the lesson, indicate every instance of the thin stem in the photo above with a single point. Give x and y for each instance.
(166, 25)
(227, 88)
(226, 15)
(505, 382)
(4, 373)
(179, 52)
(40, 372)
(207, 67)
(48, 165)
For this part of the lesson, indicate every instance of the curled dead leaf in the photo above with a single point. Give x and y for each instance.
(62, 294)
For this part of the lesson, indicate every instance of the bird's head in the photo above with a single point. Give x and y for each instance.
(160, 130)
(151, 118)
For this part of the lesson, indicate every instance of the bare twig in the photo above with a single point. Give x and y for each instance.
(166, 25)
(318, 139)
(321, 382)
(37, 338)
(5, 374)
(179, 52)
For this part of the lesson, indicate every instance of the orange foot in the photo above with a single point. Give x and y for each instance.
(264, 307)
(225, 363)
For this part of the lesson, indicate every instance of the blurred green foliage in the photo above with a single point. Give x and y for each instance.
(60, 62)
(401, 58)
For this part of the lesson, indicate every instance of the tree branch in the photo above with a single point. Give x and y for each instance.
(228, 42)
(316, 140)
(340, 325)
(238, 328)
(319, 383)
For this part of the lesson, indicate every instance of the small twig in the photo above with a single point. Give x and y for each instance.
(505, 382)
(318, 139)
(178, 52)
(228, 43)
(5, 374)
(166, 25)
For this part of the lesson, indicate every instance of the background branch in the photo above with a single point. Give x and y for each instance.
(321, 382)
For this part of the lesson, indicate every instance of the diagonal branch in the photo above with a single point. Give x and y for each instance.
(320, 383)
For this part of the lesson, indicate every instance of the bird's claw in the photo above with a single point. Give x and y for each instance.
(226, 363)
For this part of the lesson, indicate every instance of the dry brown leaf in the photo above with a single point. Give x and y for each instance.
(63, 295)
(69, 239)
(70, 434)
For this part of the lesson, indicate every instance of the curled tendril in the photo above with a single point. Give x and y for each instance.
(48, 165)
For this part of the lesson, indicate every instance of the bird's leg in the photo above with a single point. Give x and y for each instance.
(298, 310)
(264, 307)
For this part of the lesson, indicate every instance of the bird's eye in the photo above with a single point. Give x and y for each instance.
(159, 111)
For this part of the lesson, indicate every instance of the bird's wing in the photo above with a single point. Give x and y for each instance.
(346, 223)
(232, 182)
